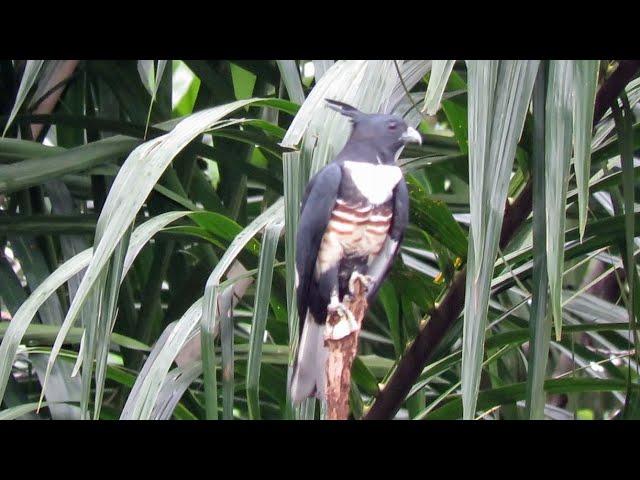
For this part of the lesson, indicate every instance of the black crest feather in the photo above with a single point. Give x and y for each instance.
(343, 108)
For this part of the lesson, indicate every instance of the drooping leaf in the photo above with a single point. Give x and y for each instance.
(260, 311)
(23, 317)
(440, 71)
(136, 179)
(558, 134)
(540, 321)
(499, 94)
(29, 77)
(585, 81)
(211, 313)
(143, 396)
(291, 78)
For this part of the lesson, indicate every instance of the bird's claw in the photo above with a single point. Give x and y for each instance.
(366, 281)
(335, 305)
(345, 325)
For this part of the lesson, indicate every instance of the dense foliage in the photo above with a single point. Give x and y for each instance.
(148, 211)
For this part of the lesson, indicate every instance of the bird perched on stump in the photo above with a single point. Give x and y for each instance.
(353, 216)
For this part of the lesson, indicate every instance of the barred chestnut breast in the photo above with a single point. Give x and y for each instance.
(353, 230)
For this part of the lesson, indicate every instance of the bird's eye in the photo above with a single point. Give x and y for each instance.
(392, 125)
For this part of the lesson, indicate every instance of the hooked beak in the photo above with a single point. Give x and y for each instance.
(411, 135)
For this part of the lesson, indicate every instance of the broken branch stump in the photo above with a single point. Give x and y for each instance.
(341, 355)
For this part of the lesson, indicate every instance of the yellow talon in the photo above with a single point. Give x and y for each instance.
(439, 279)
(457, 262)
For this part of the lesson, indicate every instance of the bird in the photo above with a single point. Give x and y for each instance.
(352, 220)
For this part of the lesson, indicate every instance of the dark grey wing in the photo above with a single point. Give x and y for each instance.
(307, 190)
(381, 265)
(317, 204)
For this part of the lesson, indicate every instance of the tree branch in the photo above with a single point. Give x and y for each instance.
(444, 315)
(341, 354)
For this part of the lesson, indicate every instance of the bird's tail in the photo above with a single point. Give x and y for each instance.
(308, 371)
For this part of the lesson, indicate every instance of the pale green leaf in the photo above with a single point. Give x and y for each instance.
(558, 135)
(211, 309)
(134, 182)
(440, 71)
(260, 312)
(23, 317)
(321, 67)
(291, 78)
(143, 396)
(540, 321)
(29, 77)
(585, 81)
(499, 94)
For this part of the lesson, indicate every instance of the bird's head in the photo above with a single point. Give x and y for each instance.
(387, 132)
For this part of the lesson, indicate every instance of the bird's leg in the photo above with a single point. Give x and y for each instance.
(366, 281)
(345, 324)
